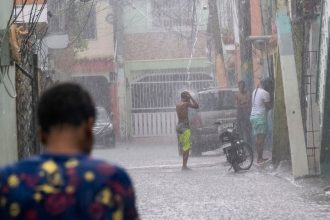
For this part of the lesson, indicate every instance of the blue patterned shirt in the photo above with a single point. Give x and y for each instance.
(64, 187)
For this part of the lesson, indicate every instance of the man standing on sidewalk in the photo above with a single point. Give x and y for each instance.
(243, 100)
(261, 104)
(183, 128)
(64, 182)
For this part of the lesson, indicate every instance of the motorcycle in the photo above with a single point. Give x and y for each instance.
(239, 154)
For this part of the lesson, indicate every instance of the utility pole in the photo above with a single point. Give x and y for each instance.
(215, 25)
(121, 77)
(35, 99)
(245, 44)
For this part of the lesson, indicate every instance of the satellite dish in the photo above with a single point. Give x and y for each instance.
(57, 41)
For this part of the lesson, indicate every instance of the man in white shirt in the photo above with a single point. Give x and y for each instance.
(261, 104)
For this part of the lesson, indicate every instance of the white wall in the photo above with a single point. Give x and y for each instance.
(324, 54)
(25, 15)
(8, 129)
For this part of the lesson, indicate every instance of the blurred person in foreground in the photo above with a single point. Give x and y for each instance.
(243, 101)
(64, 182)
(183, 127)
(261, 103)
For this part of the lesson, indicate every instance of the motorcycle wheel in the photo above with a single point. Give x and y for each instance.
(231, 157)
(236, 167)
(244, 156)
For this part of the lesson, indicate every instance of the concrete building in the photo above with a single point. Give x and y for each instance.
(228, 17)
(86, 53)
(165, 52)
(93, 67)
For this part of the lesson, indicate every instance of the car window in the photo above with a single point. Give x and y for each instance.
(102, 115)
(216, 101)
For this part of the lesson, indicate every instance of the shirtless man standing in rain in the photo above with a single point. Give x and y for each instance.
(183, 129)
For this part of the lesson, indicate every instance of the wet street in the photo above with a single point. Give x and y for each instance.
(210, 191)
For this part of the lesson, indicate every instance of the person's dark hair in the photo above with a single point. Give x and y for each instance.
(267, 84)
(64, 104)
(184, 94)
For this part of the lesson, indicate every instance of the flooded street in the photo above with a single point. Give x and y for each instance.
(210, 191)
(157, 87)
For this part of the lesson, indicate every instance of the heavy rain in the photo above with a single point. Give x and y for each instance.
(164, 109)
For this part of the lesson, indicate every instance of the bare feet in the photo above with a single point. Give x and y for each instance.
(185, 169)
(263, 160)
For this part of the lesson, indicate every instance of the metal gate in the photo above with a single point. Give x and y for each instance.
(310, 107)
(154, 96)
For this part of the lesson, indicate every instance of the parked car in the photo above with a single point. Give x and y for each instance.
(216, 104)
(103, 128)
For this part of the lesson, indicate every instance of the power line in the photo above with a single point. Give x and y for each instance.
(83, 28)
(195, 42)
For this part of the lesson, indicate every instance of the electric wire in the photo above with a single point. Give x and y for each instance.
(84, 26)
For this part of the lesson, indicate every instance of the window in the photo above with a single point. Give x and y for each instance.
(89, 32)
(56, 16)
(172, 13)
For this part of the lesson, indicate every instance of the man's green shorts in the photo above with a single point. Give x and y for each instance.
(185, 140)
(259, 124)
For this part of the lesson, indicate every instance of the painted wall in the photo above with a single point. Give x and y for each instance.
(324, 55)
(103, 45)
(144, 40)
(152, 47)
(8, 134)
(138, 18)
(131, 66)
(29, 10)
(5, 9)
(167, 45)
